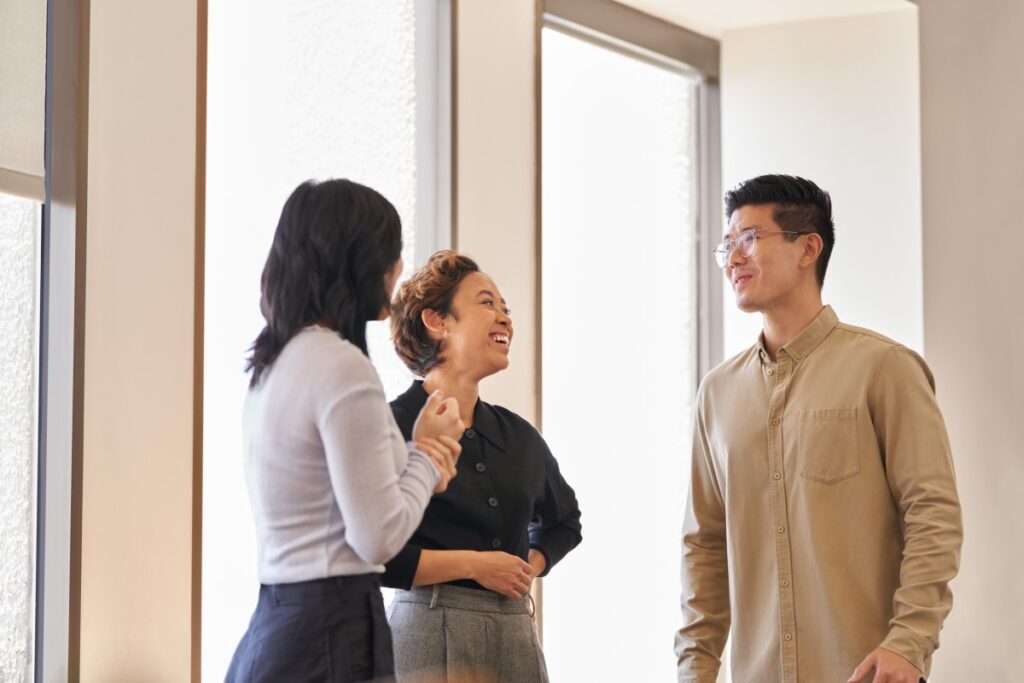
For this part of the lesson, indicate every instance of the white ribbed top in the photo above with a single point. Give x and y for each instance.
(334, 489)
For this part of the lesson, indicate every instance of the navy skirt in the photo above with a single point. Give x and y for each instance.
(330, 629)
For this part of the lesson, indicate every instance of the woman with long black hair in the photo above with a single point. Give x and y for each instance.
(335, 489)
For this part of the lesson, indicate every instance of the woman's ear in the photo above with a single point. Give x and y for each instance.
(435, 324)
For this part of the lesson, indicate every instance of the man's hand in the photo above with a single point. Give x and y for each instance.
(885, 666)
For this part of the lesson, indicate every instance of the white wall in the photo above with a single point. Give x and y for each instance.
(972, 63)
(836, 101)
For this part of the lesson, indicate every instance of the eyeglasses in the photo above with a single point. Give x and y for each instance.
(745, 242)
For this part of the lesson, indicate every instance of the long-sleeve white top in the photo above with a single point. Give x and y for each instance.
(334, 488)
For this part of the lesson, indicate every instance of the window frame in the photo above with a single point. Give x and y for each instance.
(435, 132)
(61, 343)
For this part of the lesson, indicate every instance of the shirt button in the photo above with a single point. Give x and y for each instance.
(771, 372)
(470, 433)
(480, 467)
(781, 529)
(788, 636)
(492, 501)
(776, 476)
(776, 422)
(495, 542)
(785, 583)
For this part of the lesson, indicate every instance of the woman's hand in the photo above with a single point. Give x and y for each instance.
(502, 573)
(439, 417)
(444, 451)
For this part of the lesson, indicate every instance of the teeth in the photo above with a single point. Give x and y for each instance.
(500, 338)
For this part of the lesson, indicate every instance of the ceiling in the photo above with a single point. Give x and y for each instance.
(713, 17)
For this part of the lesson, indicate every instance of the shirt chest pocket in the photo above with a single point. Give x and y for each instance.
(827, 444)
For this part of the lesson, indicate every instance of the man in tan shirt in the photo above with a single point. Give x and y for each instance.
(823, 523)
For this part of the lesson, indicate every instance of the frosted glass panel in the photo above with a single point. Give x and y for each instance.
(19, 228)
(619, 331)
(316, 89)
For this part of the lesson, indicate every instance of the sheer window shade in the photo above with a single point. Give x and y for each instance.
(22, 97)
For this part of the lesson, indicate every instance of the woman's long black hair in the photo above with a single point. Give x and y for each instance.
(334, 244)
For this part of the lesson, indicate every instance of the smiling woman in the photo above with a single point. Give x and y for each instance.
(508, 516)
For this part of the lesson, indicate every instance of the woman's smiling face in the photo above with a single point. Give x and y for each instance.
(479, 329)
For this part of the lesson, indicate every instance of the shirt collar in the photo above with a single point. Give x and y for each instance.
(485, 418)
(808, 340)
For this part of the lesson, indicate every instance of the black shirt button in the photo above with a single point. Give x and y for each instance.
(495, 542)
(470, 433)
(480, 467)
(492, 501)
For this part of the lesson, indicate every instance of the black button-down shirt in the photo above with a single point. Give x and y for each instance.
(508, 494)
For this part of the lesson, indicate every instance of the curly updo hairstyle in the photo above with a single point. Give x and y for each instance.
(431, 287)
(335, 242)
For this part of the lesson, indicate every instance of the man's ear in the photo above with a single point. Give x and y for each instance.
(434, 322)
(812, 249)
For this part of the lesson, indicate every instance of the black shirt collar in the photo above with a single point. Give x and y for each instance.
(485, 417)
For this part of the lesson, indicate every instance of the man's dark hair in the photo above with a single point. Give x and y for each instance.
(335, 242)
(800, 206)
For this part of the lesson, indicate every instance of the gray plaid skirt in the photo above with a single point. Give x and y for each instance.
(464, 634)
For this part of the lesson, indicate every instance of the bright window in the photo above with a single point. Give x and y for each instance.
(619, 349)
(19, 342)
(297, 91)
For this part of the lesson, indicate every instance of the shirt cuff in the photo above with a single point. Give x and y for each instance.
(912, 646)
(555, 543)
(400, 571)
(547, 558)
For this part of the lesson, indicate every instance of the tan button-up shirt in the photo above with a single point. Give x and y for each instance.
(823, 519)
